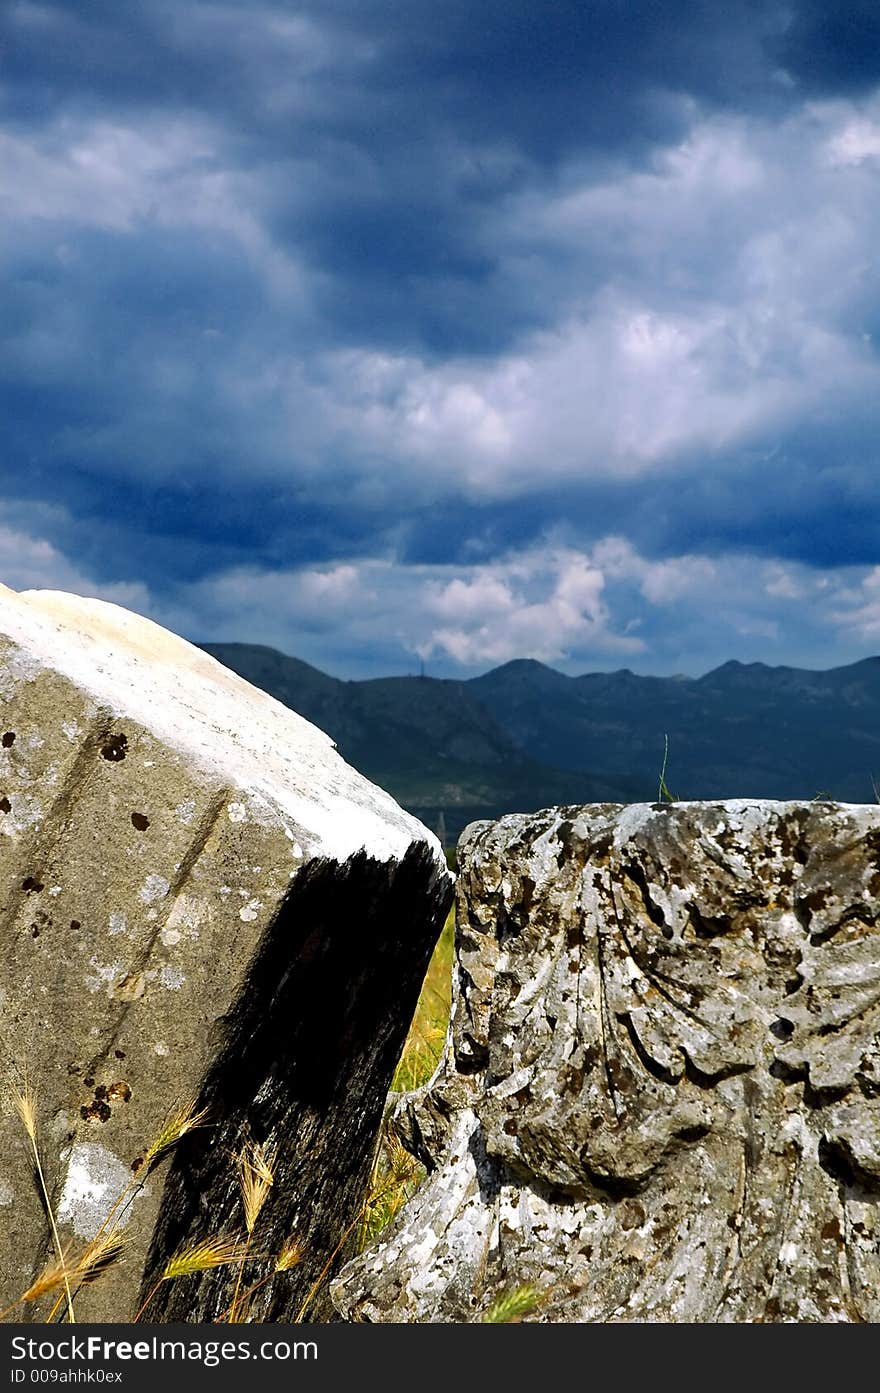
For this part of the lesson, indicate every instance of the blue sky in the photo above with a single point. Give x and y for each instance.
(387, 333)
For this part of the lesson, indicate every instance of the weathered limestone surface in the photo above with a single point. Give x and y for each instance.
(662, 1096)
(199, 900)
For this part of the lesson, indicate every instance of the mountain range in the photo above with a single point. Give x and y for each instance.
(525, 736)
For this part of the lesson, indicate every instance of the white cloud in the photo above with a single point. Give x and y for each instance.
(165, 172)
(728, 310)
(579, 609)
(858, 609)
(32, 563)
(858, 141)
(541, 605)
(660, 582)
(708, 304)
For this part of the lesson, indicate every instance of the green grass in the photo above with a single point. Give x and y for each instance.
(663, 794)
(396, 1175)
(427, 1034)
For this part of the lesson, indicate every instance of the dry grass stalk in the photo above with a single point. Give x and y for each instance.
(25, 1100)
(177, 1124)
(196, 1257)
(291, 1255)
(256, 1177)
(95, 1259)
(200, 1256)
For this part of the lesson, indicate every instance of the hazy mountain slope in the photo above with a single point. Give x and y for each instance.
(742, 730)
(431, 743)
(521, 736)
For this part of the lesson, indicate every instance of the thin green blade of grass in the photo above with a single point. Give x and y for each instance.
(427, 1033)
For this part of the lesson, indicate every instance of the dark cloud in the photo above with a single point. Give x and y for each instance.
(351, 281)
(832, 49)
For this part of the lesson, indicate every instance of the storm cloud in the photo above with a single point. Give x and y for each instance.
(448, 333)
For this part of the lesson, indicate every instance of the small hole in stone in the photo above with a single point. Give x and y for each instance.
(75, 924)
(5, 805)
(140, 821)
(116, 747)
(8, 739)
(120, 1054)
(32, 885)
(782, 1029)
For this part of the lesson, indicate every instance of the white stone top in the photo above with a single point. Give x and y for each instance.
(145, 673)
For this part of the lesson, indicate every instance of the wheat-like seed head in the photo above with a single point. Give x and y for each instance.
(50, 1279)
(208, 1252)
(100, 1255)
(176, 1125)
(291, 1254)
(25, 1099)
(256, 1176)
(512, 1305)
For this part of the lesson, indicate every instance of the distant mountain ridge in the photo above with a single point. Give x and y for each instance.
(525, 736)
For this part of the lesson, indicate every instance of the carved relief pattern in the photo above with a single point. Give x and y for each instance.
(668, 1031)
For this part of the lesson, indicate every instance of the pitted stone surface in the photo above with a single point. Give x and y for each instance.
(661, 1098)
(199, 900)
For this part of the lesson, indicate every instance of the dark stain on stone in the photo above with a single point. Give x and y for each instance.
(137, 1163)
(831, 1229)
(573, 1080)
(99, 1111)
(32, 886)
(708, 926)
(326, 1104)
(119, 1092)
(836, 1159)
(120, 1054)
(787, 1073)
(116, 747)
(601, 848)
(694, 1074)
(5, 805)
(563, 836)
(527, 893)
(632, 1214)
(8, 739)
(697, 1132)
(89, 1082)
(140, 821)
(634, 872)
